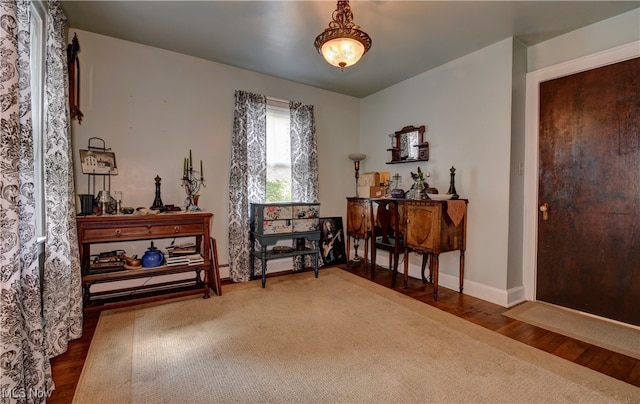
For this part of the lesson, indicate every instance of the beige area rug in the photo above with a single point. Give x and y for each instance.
(600, 332)
(335, 339)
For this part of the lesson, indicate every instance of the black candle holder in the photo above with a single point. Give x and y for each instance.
(192, 181)
(452, 185)
(157, 200)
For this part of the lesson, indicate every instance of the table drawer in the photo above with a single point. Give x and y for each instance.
(137, 232)
(276, 226)
(300, 225)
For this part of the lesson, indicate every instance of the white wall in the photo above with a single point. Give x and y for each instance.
(474, 109)
(467, 106)
(516, 191)
(151, 106)
(605, 42)
(603, 35)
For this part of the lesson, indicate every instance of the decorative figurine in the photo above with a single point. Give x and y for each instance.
(157, 202)
(452, 186)
(192, 184)
(419, 183)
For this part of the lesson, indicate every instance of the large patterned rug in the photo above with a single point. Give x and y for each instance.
(338, 339)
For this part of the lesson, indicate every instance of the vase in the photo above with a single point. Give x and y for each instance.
(194, 206)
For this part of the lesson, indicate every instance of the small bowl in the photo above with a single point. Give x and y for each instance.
(440, 197)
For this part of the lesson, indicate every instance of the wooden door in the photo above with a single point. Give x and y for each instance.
(589, 181)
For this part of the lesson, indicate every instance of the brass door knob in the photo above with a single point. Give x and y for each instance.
(544, 208)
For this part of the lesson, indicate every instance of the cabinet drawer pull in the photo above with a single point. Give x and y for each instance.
(176, 229)
(118, 232)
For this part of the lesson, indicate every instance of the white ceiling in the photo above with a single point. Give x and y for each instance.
(276, 37)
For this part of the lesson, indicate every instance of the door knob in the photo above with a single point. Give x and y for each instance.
(544, 208)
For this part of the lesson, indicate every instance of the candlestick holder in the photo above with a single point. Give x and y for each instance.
(452, 184)
(192, 180)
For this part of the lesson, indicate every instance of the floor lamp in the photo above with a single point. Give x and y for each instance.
(357, 158)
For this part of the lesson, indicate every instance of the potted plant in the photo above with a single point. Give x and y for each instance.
(419, 183)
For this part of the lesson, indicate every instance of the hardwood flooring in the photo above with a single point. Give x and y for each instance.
(67, 367)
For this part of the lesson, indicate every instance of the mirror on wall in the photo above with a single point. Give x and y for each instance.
(408, 145)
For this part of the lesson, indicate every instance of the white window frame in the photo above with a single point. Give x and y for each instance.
(276, 140)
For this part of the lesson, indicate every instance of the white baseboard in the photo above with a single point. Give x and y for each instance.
(504, 298)
(516, 296)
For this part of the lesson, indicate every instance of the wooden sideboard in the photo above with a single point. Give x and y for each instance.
(428, 226)
(118, 228)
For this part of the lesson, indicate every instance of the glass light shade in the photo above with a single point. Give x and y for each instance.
(342, 52)
(357, 156)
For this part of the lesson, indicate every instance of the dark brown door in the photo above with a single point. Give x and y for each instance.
(589, 183)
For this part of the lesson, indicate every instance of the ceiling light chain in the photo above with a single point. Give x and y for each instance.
(343, 43)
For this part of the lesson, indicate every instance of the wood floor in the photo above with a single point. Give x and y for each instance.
(67, 367)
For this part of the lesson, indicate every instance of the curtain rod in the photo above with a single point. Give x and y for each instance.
(278, 102)
(276, 99)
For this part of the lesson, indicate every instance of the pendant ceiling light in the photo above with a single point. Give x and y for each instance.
(343, 43)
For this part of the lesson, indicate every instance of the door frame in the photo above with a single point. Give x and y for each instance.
(531, 146)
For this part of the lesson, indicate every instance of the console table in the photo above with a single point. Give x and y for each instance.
(271, 222)
(118, 228)
(429, 227)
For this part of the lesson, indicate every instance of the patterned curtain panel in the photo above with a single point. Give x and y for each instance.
(248, 176)
(62, 292)
(24, 363)
(304, 163)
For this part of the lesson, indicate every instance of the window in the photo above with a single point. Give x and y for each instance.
(278, 152)
(38, 41)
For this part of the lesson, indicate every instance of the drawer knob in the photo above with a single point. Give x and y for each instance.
(176, 229)
(118, 232)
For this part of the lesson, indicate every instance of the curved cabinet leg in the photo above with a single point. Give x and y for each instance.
(461, 270)
(425, 258)
(374, 252)
(366, 254)
(435, 266)
(86, 293)
(264, 265)
(395, 268)
(406, 269)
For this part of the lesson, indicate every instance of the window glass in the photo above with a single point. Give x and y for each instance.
(278, 154)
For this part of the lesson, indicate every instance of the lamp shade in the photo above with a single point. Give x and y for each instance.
(342, 52)
(357, 156)
(343, 43)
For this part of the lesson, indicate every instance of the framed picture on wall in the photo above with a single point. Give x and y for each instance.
(98, 162)
(332, 250)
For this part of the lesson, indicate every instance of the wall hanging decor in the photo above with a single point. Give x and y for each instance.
(98, 160)
(73, 64)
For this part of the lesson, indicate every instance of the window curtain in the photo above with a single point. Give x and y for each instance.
(25, 336)
(25, 365)
(248, 176)
(62, 291)
(304, 164)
